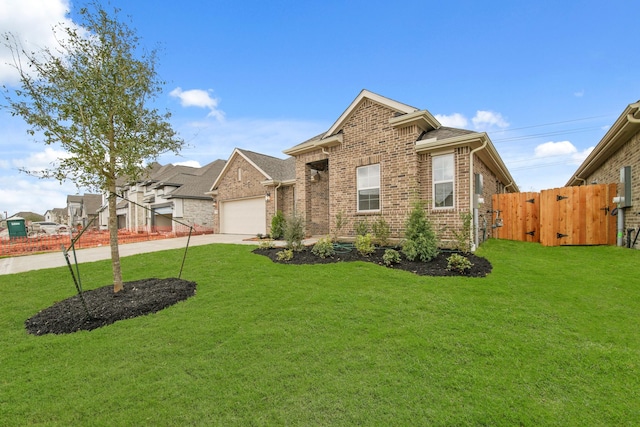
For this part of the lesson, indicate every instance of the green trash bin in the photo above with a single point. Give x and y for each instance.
(16, 227)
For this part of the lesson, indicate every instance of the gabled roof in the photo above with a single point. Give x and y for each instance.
(92, 203)
(624, 127)
(195, 186)
(405, 115)
(446, 138)
(272, 168)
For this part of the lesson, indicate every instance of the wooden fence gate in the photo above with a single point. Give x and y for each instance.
(561, 216)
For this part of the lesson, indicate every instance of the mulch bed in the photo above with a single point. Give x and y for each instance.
(436, 267)
(105, 307)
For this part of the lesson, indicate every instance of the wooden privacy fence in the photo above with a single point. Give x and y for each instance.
(561, 216)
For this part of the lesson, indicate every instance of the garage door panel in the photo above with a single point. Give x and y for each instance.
(246, 216)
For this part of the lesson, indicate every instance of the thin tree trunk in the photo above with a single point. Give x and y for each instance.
(113, 239)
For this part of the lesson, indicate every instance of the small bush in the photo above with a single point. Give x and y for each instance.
(463, 237)
(459, 263)
(266, 244)
(361, 227)
(285, 255)
(391, 256)
(340, 223)
(364, 245)
(381, 232)
(277, 225)
(324, 248)
(294, 232)
(421, 242)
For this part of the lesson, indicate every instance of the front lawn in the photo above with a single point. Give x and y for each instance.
(550, 337)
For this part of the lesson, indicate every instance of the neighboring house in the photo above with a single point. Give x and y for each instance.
(377, 159)
(251, 188)
(28, 216)
(83, 210)
(57, 215)
(166, 194)
(617, 157)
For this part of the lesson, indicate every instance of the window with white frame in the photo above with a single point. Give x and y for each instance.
(443, 176)
(368, 188)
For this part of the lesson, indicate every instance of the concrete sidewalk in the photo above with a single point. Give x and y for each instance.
(21, 264)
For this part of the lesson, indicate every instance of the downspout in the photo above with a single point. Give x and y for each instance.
(275, 200)
(474, 226)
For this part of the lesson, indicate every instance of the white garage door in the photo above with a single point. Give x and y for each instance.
(246, 216)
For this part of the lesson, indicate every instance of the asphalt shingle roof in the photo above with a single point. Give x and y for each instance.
(277, 169)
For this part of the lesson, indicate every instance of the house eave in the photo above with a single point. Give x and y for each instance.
(488, 154)
(328, 142)
(624, 127)
(422, 118)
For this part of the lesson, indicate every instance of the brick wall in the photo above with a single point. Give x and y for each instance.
(405, 176)
(197, 212)
(609, 173)
(235, 185)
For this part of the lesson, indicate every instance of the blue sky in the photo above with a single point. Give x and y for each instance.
(545, 79)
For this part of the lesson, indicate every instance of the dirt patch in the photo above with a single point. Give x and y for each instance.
(436, 267)
(105, 307)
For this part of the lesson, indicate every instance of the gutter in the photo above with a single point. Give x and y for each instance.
(474, 225)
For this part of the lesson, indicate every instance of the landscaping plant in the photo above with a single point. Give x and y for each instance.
(391, 256)
(294, 232)
(420, 240)
(459, 263)
(463, 236)
(361, 227)
(278, 223)
(364, 244)
(381, 232)
(324, 248)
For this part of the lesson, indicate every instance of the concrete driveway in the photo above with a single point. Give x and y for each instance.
(56, 259)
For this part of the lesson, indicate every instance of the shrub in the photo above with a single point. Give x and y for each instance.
(277, 225)
(364, 245)
(391, 256)
(381, 232)
(463, 237)
(340, 223)
(421, 242)
(361, 227)
(324, 248)
(285, 255)
(294, 232)
(459, 263)
(266, 244)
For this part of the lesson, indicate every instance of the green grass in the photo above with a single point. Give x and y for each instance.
(549, 338)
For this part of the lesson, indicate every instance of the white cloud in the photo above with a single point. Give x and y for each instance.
(41, 160)
(579, 94)
(487, 119)
(455, 120)
(24, 190)
(31, 22)
(549, 149)
(198, 98)
(190, 163)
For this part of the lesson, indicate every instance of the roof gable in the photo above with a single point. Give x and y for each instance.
(272, 168)
(365, 94)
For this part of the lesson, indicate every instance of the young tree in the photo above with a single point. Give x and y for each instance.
(90, 96)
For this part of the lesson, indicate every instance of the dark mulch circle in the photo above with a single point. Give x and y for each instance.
(436, 267)
(105, 307)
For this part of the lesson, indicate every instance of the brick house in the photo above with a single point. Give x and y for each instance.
(616, 156)
(251, 188)
(166, 193)
(376, 160)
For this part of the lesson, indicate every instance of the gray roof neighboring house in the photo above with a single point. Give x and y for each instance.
(277, 169)
(194, 186)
